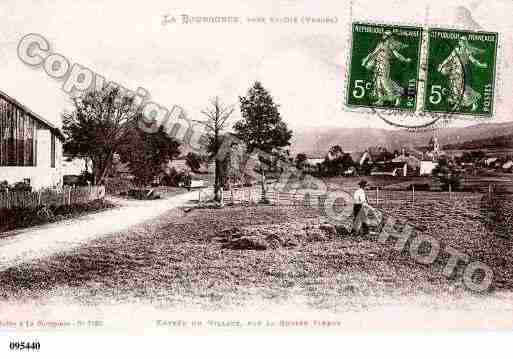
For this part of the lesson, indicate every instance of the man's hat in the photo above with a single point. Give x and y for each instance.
(362, 183)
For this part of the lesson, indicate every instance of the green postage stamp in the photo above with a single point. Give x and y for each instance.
(384, 66)
(461, 72)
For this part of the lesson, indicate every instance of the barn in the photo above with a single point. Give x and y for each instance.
(30, 146)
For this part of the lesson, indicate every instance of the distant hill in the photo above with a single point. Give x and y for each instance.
(316, 142)
(488, 143)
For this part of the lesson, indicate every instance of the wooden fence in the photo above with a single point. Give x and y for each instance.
(49, 197)
(375, 196)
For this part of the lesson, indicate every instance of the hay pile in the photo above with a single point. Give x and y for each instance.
(275, 236)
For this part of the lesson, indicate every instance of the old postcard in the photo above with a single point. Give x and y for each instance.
(274, 166)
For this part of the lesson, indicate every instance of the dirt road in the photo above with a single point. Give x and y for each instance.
(42, 241)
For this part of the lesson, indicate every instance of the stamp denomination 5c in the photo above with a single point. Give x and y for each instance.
(461, 72)
(384, 66)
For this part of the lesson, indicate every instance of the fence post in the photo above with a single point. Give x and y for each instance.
(412, 194)
(69, 196)
(377, 194)
(307, 200)
(450, 191)
(490, 191)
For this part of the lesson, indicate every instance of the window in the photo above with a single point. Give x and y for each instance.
(17, 136)
(52, 151)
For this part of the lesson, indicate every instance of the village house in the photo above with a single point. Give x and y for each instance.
(427, 167)
(30, 146)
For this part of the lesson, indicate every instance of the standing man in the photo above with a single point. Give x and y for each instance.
(359, 218)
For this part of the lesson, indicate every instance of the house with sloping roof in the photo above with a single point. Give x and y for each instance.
(412, 161)
(427, 167)
(30, 146)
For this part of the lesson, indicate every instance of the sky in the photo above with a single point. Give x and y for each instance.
(302, 65)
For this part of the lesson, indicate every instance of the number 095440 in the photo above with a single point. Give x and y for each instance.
(24, 346)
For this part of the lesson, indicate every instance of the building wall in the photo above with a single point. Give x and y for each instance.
(427, 167)
(41, 175)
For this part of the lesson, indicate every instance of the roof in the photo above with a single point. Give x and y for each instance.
(55, 130)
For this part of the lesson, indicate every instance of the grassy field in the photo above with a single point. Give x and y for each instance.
(501, 181)
(176, 262)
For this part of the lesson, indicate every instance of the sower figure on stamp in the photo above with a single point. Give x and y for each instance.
(359, 215)
(457, 66)
(379, 61)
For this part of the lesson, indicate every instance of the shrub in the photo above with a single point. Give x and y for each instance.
(22, 187)
(84, 179)
(16, 218)
(174, 178)
(18, 186)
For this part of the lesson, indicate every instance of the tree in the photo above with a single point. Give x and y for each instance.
(366, 167)
(146, 153)
(300, 160)
(96, 128)
(347, 161)
(194, 161)
(337, 161)
(216, 122)
(261, 127)
(335, 151)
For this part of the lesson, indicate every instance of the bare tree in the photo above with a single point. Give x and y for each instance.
(216, 122)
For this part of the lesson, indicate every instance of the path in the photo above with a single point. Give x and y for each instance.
(38, 242)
